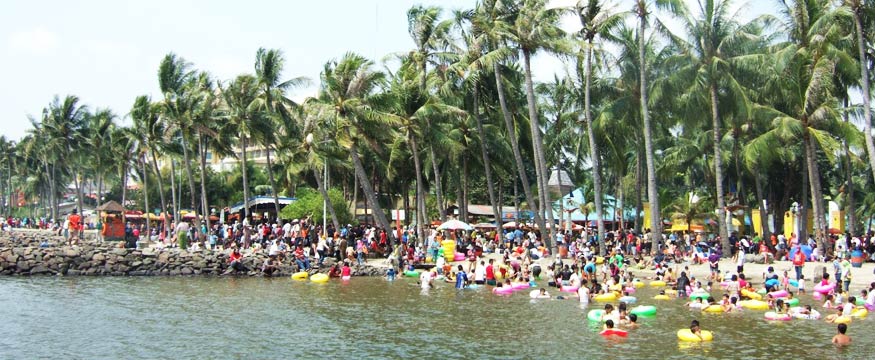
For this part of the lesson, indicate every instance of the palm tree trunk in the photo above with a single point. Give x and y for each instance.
(639, 179)
(191, 188)
(718, 172)
(487, 166)
(764, 216)
(538, 145)
(173, 193)
(857, 9)
(327, 199)
(652, 192)
(202, 160)
(464, 183)
(77, 181)
(379, 215)
(124, 180)
(142, 161)
(420, 192)
(276, 198)
(816, 191)
(593, 151)
(160, 192)
(243, 143)
(517, 156)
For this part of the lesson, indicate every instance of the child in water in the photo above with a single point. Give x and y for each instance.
(695, 329)
(390, 274)
(633, 321)
(840, 338)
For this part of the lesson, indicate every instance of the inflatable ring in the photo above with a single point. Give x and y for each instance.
(814, 315)
(771, 315)
(606, 297)
(520, 286)
(842, 320)
(861, 302)
(302, 275)
(671, 292)
(824, 289)
(761, 291)
(779, 294)
(754, 304)
(504, 290)
(771, 282)
(661, 297)
(615, 287)
(638, 284)
(644, 310)
(751, 295)
(792, 302)
(411, 273)
(687, 335)
(700, 295)
(599, 260)
(570, 289)
(657, 283)
(595, 315)
(614, 332)
(713, 309)
(319, 278)
(628, 299)
(631, 290)
(860, 313)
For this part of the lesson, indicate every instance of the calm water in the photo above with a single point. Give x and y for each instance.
(367, 318)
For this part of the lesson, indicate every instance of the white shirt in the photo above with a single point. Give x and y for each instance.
(847, 309)
(425, 280)
(870, 299)
(583, 294)
(480, 273)
(274, 249)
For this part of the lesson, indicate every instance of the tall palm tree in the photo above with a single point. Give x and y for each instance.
(491, 20)
(247, 118)
(429, 35)
(536, 28)
(174, 79)
(269, 65)
(147, 120)
(642, 11)
(596, 20)
(858, 8)
(63, 123)
(347, 91)
(716, 40)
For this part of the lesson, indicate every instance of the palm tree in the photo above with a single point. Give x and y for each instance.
(429, 35)
(62, 127)
(174, 79)
(716, 42)
(537, 28)
(489, 22)
(247, 118)
(596, 21)
(858, 8)
(802, 92)
(642, 12)
(347, 91)
(268, 70)
(147, 120)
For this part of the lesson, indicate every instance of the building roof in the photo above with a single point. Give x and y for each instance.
(260, 200)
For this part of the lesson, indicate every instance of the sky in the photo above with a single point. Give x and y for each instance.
(107, 52)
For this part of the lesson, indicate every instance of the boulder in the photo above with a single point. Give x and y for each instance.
(98, 257)
(23, 266)
(38, 270)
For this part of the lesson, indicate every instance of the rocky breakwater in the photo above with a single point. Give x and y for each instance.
(21, 254)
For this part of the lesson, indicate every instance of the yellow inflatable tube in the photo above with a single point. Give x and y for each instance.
(303, 275)
(657, 283)
(754, 304)
(860, 313)
(319, 278)
(751, 295)
(713, 309)
(687, 335)
(842, 320)
(661, 297)
(606, 297)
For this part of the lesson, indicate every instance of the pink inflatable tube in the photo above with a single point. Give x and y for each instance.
(824, 289)
(779, 294)
(504, 290)
(571, 289)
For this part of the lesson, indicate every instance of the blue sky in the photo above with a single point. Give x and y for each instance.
(107, 52)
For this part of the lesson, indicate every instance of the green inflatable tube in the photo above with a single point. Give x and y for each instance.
(703, 296)
(411, 273)
(644, 310)
(595, 315)
(792, 302)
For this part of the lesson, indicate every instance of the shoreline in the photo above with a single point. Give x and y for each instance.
(20, 255)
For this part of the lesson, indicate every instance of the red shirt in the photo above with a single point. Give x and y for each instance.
(299, 253)
(234, 256)
(344, 271)
(490, 273)
(799, 258)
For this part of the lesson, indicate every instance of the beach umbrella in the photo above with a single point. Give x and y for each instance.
(484, 226)
(455, 225)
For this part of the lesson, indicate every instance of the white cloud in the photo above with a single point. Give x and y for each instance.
(38, 41)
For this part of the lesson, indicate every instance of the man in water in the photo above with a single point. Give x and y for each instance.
(461, 278)
(840, 338)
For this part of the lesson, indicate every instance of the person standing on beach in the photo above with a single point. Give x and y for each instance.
(74, 222)
(182, 234)
(798, 262)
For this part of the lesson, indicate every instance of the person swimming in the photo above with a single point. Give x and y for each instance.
(840, 338)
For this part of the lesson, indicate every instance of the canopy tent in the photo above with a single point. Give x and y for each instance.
(484, 226)
(455, 225)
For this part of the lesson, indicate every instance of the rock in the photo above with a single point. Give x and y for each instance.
(174, 272)
(71, 253)
(98, 257)
(23, 266)
(73, 273)
(119, 251)
(164, 258)
(136, 264)
(39, 269)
